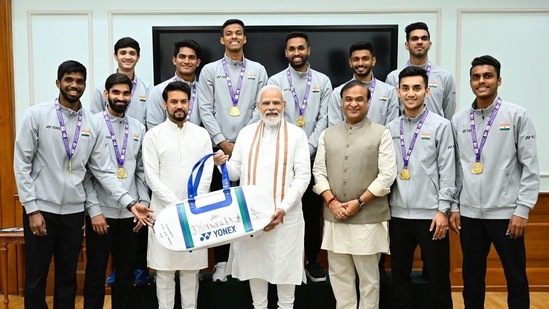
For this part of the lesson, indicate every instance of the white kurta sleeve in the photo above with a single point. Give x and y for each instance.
(381, 186)
(151, 163)
(320, 171)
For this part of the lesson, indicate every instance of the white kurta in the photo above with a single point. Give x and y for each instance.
(275, 256)
(169, 153)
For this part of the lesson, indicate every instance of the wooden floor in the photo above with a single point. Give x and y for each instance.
(494, 300)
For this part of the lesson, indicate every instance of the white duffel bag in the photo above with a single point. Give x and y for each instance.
(214, 218)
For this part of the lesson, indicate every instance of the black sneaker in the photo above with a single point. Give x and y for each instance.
(314, 272)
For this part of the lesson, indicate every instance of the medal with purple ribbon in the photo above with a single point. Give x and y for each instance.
(477, 166)
(120, 155)
(300, 120)
(234, 111)
(405, 173)
(68, 150)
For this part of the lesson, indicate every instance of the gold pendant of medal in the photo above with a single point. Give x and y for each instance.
(405, 174)
(234, 111)
(121, 173)
(70, 166)
(300, 121)
(477, 168)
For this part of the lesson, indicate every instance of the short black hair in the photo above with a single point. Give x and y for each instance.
(127, 42)
(71, 66)
(297, 34)
(355, 83)
(416, 26)
(117, 78)
(361, 45)
(414, 71)
(486, 60)
(192, 44)
(176, 86)
(230, 22)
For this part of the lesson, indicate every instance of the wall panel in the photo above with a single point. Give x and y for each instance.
(518, 39)
(53, 37)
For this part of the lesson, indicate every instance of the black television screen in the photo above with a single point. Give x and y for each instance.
(265, 44)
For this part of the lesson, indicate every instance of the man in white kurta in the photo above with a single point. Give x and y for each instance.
(274, 155)
(169, 152)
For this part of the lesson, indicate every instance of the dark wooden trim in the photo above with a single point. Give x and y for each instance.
(9, 213)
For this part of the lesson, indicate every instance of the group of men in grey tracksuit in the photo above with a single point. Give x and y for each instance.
(474, 172)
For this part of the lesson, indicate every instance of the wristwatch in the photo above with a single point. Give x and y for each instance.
(445, 211)
(361, 203)
(130, 205)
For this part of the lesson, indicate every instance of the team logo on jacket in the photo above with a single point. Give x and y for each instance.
(136, 138)
(383, 98)
(316, 89)
(251, 76)
(433, 85)
(85, 133)
(504, 127)
(426, 136)
(142, 98)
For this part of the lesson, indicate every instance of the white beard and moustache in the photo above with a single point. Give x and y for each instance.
(271, 121)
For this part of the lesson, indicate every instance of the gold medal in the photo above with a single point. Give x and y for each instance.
(70, 165)
(300, 121)
(121, 173)
(234, 111)
(477, 168)
(405, 174)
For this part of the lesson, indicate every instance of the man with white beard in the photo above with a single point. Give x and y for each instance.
(272, 154)
(308, 93)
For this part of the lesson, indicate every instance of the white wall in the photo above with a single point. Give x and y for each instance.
(515, 32)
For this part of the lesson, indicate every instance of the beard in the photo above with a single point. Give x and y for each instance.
(300, 65)
(178, 118)
(120, 109)
(271, 121)
(71, 99)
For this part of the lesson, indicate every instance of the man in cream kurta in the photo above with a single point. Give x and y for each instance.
(169, 152)
(273, 155)
(354, 169)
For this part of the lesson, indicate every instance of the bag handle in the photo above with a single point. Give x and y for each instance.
(192, 186)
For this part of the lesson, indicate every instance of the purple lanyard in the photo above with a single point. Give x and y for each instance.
(406, 154)
(193, 96)
(134, 85)
(234, 96)
(372, 88)
(476, 147)
(428, 68)
(120, 156)
(303, 105)
(69, 151)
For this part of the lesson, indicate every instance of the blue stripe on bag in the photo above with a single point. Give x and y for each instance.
(243, 209)
(187, 237)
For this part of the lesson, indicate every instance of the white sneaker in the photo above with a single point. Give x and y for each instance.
(219, 272)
